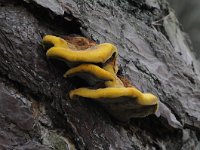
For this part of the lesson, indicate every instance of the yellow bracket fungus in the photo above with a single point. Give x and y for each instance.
(96, 54)
(122, 100)
(91, 73)
(117, 83)
(55, 41)
(111, 65)
(94, 74)
(122, 103)
(110, 92)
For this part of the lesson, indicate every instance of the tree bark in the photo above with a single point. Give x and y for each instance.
(154, 54)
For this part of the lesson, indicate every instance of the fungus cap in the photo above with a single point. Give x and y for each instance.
(121, 103)
(111, 65)
(90, 72)
(112, 93)
(96, 54)
(116, 83)
(55, 41)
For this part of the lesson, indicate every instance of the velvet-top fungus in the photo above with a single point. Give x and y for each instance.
(55, 41)
(93, 74)
(122, 103)
(96, 63)
(146, 99)
(95, 54)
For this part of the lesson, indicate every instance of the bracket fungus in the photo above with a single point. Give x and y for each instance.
(121, 103)
(97, 64)
(68, 53)
(92, 73)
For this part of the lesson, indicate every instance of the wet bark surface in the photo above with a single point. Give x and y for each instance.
(154, 54)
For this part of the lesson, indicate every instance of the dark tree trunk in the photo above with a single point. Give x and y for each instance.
(153, 53)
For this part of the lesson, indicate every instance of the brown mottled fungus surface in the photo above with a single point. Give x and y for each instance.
(122, 100)
(78, 42)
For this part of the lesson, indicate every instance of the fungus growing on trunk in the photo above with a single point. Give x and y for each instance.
(122, 103)
(54, 41)
(93, 74)
(95, 54)
(97, 63)
(112, 93)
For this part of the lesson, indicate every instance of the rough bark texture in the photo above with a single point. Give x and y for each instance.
(153, 53)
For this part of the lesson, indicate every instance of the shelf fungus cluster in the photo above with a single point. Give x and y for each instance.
(96, 64)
